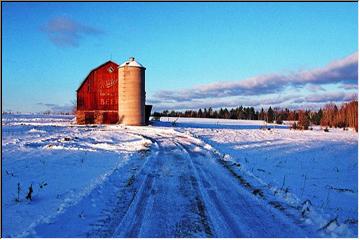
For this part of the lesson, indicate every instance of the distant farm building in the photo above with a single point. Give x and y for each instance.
(113, 94)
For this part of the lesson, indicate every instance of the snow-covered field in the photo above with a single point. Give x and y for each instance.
(194, 178)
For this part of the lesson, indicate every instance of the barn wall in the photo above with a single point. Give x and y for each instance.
(97, 98)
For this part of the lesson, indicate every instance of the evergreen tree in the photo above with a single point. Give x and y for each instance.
(200, 113)
(270, 115)
(262, 114)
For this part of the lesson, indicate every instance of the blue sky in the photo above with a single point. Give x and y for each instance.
(196, 54)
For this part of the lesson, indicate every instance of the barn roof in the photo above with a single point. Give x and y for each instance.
(94, 69)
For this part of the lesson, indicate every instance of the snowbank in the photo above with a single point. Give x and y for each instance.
(62, 162)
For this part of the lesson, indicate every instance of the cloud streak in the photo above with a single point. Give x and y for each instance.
(291, 101)
(66, 32)
(328, 97)
(343, 71)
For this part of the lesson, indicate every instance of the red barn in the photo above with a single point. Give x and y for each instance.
(111, 90)
(97, 96)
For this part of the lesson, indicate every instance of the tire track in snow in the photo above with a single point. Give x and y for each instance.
(200, 202)
(189, 188)
(138, 185)
(132, 221)
(228, 220)
(293, 213)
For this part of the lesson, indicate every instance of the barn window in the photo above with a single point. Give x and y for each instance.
(110, 69)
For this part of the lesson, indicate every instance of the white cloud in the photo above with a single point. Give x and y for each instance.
(262, 90)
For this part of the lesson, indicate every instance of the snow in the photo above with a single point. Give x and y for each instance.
(311, 165)
(71, 160)
(177, 178)
(131, 63)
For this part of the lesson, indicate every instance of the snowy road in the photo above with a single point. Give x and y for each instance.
(198, 178)
(178, 189)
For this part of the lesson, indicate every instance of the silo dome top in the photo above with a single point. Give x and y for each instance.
(131, 63)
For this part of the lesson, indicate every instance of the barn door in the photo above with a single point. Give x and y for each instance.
(89, 118)
(106, 118)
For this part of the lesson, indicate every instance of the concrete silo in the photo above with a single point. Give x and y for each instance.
(131, 93)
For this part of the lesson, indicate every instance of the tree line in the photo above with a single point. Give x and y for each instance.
(331, 115)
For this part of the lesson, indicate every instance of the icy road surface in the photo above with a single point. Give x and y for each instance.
(156, 181)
